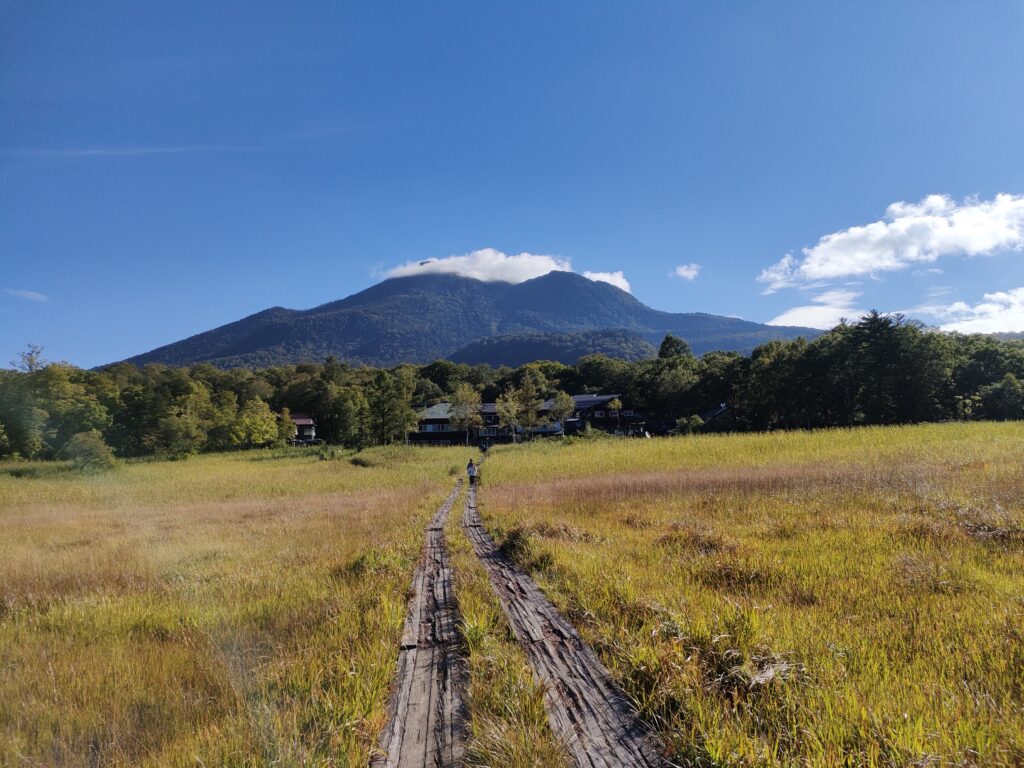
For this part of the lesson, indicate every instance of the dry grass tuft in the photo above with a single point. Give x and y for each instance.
(687, 538)
(931, 573)
(562, 531)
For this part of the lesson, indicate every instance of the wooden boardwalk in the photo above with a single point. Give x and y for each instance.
(427, 719)
(588, 712)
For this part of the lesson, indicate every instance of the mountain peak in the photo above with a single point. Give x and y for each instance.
(420, 318)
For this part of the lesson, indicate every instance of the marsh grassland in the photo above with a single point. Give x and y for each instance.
(238, 610)
(835, 598)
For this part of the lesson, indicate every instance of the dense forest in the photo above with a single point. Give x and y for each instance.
(882, 369)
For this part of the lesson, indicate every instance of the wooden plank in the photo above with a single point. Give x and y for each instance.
(427, 716)
(587, 710)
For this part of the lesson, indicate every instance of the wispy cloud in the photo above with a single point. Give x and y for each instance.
(912, 233)
(612, 278)
(491, 265)
(28, 295)
(686, 271)
(999, 311)
(826, 311)
(125, 151)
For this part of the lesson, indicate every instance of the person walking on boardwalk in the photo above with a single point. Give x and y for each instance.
(471, 470)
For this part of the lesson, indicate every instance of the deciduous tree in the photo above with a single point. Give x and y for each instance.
(465, 409)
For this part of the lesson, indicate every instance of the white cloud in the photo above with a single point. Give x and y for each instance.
(491, 265)
(837, 298)
(30, 295)
(613, 278)
(999, 311)
(826, 311)
(488, 265)
(938, 291)
(912, 233)
(686, 271)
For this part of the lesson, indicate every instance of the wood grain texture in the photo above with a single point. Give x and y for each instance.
(427, 718)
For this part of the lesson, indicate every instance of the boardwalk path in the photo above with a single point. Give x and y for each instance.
(588, 712)
(427, 722)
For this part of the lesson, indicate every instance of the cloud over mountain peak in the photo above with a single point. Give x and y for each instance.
(491, 265)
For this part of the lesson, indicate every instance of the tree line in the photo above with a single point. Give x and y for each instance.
(882, 369)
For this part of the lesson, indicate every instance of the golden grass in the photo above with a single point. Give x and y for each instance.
(241, 609)
(844, 597)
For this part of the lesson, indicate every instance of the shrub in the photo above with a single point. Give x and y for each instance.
(88, 452)
(687, 425)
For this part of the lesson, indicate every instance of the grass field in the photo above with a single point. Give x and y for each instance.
(851, 597)
(241, 609)
(847, 597)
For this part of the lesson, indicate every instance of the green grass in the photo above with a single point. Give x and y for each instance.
(239, 609)
(844, 597)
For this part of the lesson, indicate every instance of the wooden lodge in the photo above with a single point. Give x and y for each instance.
(434, 426)
(305, 430)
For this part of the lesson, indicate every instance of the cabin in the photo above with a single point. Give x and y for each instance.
(434, 425)
(595, 411)
(305, 429)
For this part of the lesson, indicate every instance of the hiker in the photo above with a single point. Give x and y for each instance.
(471, 471)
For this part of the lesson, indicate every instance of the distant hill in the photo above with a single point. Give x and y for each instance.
(516, 349)
(422, 318)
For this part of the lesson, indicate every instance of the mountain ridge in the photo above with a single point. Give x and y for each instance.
(418, 319)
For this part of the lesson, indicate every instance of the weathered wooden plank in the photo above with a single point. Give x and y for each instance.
(411, 631)
(587, 710)
(427, 717)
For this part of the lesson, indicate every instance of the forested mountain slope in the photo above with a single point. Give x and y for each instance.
(423, 318)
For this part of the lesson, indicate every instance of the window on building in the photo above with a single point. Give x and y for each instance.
(598, 414)
(627, 413)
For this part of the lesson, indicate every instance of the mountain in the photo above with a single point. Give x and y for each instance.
(515, 349)
(422, 318)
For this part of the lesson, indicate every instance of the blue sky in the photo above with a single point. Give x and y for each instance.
(167, 168)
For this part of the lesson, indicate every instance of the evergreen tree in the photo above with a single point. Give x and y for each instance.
(673, 346)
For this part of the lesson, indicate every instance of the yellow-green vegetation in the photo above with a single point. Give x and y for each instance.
(508, 723)
(842, 597)
(237, 609)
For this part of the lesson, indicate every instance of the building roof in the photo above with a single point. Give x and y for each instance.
(443, 411)
(437, 411)
(589, 401)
